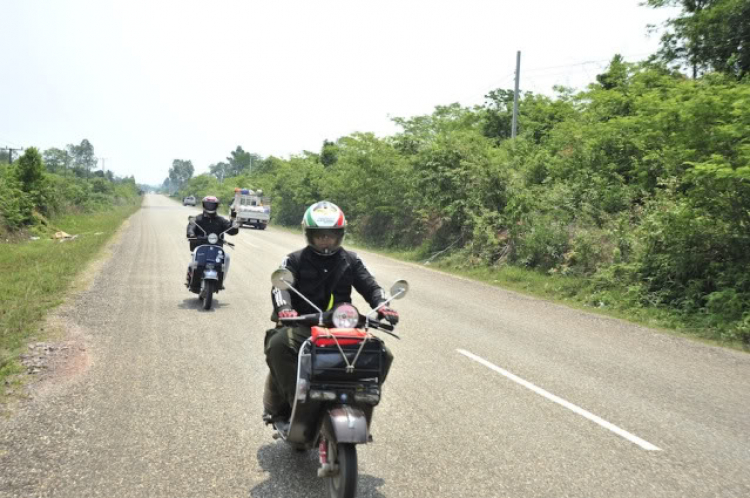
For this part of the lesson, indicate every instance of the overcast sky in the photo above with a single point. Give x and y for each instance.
(150, 81)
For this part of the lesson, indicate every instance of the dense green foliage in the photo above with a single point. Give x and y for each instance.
(640, 184)
(32, 189)
(708, 35)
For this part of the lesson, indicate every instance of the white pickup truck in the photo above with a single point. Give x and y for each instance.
(251, 208)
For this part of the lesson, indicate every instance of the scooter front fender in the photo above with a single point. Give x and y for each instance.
(347, 424)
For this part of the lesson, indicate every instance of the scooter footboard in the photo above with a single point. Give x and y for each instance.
(347, 424)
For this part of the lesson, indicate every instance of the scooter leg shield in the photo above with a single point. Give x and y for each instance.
(225, 267)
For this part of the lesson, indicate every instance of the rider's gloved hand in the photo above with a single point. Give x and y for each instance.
(288, 314)
(389, 314)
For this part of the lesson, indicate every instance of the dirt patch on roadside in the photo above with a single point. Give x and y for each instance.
(48, 365)
(61, 352)
(56, 361)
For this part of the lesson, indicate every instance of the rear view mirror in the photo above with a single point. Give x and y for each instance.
(399, 289)
(282, 279)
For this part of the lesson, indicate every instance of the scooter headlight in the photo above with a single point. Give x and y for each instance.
(345, 316)
(213, 238)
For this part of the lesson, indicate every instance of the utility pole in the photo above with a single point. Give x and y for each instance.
(10, 153)
(515, 96)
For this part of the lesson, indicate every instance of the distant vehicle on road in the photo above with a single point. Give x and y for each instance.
(251, 208)
(188, 201)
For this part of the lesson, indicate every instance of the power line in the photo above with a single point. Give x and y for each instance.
(10, 153)
(596, 61)
(532, 80)
(600, 63)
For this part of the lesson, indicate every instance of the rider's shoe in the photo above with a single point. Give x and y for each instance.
(271, 417)
(267, 418)
(279, 421)
(282, 424)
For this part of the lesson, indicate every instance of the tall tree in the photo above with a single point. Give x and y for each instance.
(219, 170)
(30, 174)
(241, 162)
(708, 35)
(30, 170)
(616, 75)
(56, 160)
(180, 172)
(84, 159)
(329, 154)
(498, 122)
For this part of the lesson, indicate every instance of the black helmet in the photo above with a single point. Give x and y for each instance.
(210, 205)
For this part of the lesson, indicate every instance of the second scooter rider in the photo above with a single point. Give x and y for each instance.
(209, 221)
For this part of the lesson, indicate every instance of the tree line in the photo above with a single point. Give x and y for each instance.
(58, 181)
(238, 163)
(639, 184)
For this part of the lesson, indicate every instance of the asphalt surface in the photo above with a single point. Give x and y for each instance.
(492, 394)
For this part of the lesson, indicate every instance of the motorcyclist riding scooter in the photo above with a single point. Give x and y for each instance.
(205, 234)
(327, 368)
(324, 272)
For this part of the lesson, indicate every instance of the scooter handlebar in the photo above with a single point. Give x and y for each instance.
(314, 319)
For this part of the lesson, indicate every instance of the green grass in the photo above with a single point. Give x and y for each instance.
(36, 275)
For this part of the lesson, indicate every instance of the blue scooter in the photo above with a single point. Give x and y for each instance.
(209, 267)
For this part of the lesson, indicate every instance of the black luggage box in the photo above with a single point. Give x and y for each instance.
(329, 365)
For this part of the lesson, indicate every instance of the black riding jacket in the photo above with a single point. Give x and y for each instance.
(326, 281)
(211, 224)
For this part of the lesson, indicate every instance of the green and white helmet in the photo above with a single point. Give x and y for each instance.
(324, 224)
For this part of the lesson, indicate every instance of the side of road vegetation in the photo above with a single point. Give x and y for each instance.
(632, 195)
(51, 226)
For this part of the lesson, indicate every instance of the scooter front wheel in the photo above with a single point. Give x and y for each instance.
(344, 483)
(208, 297)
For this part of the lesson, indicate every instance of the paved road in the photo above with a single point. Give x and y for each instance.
(492, 394)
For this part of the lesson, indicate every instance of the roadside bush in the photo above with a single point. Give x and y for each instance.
(541, 241)
(16, 205)
(30, 172)
(26, 187)
(691, 259)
